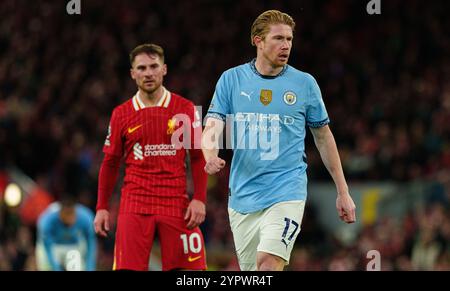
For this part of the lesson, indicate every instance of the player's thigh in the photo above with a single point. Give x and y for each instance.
(134, 240)
(280, 226)
(181, 248)
(245, 229)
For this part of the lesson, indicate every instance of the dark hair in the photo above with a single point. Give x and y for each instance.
(67, 200)
(147, 48)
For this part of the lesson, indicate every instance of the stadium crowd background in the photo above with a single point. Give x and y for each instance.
(385, 80)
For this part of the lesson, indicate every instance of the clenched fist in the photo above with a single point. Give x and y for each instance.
(214, 165)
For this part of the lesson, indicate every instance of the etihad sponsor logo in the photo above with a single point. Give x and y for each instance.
(262, 117)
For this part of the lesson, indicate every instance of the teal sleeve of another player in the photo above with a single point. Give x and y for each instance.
(220, 103)
(316, 113)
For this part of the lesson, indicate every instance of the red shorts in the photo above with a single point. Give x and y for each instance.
(181, 248)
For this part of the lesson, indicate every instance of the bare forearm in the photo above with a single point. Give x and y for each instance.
(326, 145)
(211, 145)
(210, 138)
(210, 153)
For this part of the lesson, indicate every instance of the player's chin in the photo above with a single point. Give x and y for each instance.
(148, 88)
(282, 60)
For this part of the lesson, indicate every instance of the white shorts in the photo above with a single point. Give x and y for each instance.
(70, 257)
(272, 230)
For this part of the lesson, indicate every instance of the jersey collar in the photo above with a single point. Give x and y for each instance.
(252, 64)
(163, 101)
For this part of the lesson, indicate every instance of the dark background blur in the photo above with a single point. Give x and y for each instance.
(385, 80)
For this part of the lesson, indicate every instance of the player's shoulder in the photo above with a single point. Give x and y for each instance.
(301, 74)
(53, 208)
(124, 108)
(84, 211)
(177, 98)
(237, 70)
(50, 213)
(179, 102)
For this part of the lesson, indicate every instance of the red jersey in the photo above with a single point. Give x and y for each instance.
(149, 139)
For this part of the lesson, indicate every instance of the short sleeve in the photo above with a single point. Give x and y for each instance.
(220, 103)
(113, 142)
(316, 113)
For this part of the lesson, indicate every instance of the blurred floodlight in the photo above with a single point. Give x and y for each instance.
(13, 195)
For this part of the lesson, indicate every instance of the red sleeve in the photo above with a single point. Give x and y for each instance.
(199, 176)
(107, 180)
(113, 143)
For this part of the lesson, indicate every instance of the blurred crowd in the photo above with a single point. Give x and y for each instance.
(385, 80)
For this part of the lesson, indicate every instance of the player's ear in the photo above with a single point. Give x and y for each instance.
(257, 40)
(132, 74)
(164, 68)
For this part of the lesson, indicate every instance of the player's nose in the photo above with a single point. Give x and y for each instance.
(147, 74)
(286, 45)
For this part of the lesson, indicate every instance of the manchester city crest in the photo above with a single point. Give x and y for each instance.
(290, 98)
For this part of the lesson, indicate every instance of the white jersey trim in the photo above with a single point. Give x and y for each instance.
(163, 101)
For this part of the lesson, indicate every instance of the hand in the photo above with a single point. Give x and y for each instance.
(195, 214)
(101, 222)
(346, 208)
(214, 165)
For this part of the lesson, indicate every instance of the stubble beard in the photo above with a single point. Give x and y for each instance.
(144, 89)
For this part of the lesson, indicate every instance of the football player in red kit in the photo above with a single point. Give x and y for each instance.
(144, 131)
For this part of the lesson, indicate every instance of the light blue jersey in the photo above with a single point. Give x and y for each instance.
(52, 232)
(267, 118)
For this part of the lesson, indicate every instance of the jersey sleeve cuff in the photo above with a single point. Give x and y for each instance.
(319, 123)
(216, 115)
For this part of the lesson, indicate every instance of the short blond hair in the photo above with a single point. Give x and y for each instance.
(262, 23)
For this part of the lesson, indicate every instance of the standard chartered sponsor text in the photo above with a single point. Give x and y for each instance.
(160, 150)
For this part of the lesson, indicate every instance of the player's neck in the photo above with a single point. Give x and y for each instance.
(151, 99)
(266, 68)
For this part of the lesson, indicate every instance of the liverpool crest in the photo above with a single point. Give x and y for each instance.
(171, 125)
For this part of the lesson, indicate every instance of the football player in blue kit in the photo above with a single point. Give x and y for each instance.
(268, 104)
